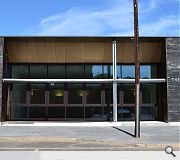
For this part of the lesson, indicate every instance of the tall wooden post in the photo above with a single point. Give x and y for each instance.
(137, 81)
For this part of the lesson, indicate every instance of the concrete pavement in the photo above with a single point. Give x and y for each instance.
(88, 138)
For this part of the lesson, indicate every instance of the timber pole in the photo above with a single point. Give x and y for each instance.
(137, 68)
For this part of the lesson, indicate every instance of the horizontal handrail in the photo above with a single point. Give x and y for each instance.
(12, 80)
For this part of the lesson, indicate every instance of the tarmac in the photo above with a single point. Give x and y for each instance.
(94, 136)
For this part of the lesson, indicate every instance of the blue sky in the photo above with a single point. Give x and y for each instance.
(88, 17)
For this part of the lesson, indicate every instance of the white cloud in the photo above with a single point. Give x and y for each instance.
(116, 18)
(161, 27)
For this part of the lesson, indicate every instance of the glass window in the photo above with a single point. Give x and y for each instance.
(154, 71)
(106, 71)
(56, 94)
(56, 112)
(128, 71)
(93, 71)
(75, 112)
(93, 93)
(75, 94)
(19, 93)
(148, 93)
(38, 71)
(18, 112)
(118, 71)
(111, 71)
(37, 112)
(148, 113)
(127, 112)
(145, 71)
(20, 71)
(94, 112)
(56, 71)
(37, 93)
(129, 94)
(75, 71)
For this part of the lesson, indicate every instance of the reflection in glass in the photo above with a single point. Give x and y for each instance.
(75, 112)
(56, 71)
(75, 94)
(93, 112)
(56, 93)
(93, 71)
(75, 71)
(37, 93)
(37, 112)
(148, 93)
(56, 112)
(145, 71)
(129, 94)
(38, 71)
(19, 93)
(127, 112)
(148, 113)
(20, 71)
(18, 112)
(93, 93)
(128, 71)
(106, 71)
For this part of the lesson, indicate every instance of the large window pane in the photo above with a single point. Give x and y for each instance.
(94, 71)
(19, 93)
(56, 112)
(56, 71)
(94, 112)
(75, 71)
(38, 71)
(127, 112)
(56, 93)
(20, 71)
(37, 93)
(148, 113)
(18, 112)
(37, 112)
(148, 93)
(118, 71)
(145, 71)
(75, 94)
(128, 71)
(75, 112)
(93, 93)
(129, 94)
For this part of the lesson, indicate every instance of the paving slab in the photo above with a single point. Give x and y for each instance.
(88, 138)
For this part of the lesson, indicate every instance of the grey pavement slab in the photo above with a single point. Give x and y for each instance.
(99, 138)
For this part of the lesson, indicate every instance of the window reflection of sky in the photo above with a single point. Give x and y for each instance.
(128, 71)
(97, 70)
(145, 71)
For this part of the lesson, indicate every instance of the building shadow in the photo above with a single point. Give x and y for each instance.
(132, 135)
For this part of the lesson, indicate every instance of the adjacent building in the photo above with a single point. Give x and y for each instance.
(88, 78)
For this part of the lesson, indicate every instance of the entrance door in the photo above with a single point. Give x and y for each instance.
(148, 105)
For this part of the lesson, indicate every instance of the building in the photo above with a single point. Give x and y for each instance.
(88, 78)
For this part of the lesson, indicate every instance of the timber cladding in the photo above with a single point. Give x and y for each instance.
(79, 50)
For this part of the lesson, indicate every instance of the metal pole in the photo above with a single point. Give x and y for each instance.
(114, 83)
(137, 81)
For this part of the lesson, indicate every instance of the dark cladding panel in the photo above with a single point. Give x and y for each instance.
(173, 76)
(1, 73)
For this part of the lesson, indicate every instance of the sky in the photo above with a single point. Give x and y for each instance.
(88, 17)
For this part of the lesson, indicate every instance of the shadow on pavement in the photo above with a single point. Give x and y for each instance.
(124, 131)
